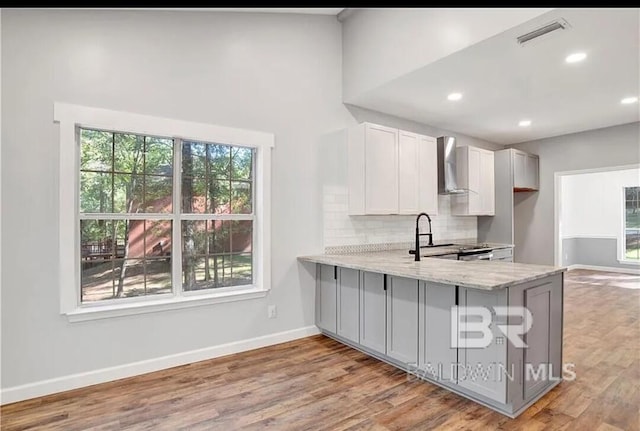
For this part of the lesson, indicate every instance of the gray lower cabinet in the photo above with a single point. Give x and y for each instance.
(348, 307)
(436, 357)
(539, 365)
(326, 297)
(402, 319)
(409, 323)
(482, 369)
(373, 309)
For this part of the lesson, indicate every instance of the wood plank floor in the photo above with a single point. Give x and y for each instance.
(318, 384)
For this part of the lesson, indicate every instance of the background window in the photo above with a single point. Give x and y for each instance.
(632, 223)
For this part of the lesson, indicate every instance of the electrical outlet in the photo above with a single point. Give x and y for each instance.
(272, 311)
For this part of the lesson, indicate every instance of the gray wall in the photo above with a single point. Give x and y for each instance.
(278, 73)
(591, 251)
(534, 211)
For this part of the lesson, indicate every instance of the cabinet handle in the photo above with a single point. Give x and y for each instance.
(385, 282)
(335, 272)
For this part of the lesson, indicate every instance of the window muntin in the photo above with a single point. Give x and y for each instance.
(127, 213)
(631, 223)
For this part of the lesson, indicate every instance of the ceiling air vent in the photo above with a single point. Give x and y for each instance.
(559, 24)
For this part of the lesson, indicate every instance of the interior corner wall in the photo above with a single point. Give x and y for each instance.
(278, 73)
(534, 211)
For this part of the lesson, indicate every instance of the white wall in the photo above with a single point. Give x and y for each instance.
(592, 204)
(534, 212)
(340, 229)
(278, 73)
(380, 45)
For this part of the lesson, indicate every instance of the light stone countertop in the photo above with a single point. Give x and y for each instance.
(487, 275)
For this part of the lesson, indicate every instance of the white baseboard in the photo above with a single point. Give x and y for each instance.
(605, 268)
(74, 381)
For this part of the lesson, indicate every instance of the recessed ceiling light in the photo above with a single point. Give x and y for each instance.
(575, 57)
(629, 100)
(454, 96)
(524, 123)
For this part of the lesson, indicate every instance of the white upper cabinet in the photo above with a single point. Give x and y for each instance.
(428, 182)
(408, 173)
(525, 171)
(391, 171)
(381, 167)
(475, 172)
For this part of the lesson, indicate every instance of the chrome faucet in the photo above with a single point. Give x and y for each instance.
(418, 234)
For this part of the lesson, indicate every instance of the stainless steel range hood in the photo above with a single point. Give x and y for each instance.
(447, 184)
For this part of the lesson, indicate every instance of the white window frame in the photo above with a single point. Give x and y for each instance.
(622, 240)
(70, 118)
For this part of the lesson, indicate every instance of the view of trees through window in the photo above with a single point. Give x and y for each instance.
(632, 222)
(127, 212)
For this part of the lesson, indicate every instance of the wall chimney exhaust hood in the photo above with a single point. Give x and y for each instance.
(447, 184)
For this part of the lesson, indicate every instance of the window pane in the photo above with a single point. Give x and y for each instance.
(195, 194)
(241, 197)
(96, 150)
(241, 269)
(128, 153)
(158, 156)
(157, 238)
(95, 192)
(193, 159)
(158, 276)
(242, 163)
(128, 193)
(158, 196)
(125, 258)
(97, 240)
(241, 236)
(220, 197)
(220, 161)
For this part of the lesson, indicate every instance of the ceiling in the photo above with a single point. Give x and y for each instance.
(503, 82)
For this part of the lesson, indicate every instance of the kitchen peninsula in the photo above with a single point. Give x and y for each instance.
(407, 313)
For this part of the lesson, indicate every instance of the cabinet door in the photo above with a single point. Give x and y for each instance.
(428, 171)
(487, 184)
(474, 181)
(409, 177)
(531, 173)
(482, 370)
(381, 170)
(437, 359)
(538, 354)
(402, 319)
(348, 304)
(326, 297)
(519, 169)
(373, 312)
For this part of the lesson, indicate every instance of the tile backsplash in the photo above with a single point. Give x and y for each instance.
(340, 229)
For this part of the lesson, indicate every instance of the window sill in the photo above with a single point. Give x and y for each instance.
(82, 314)
(629, 262)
